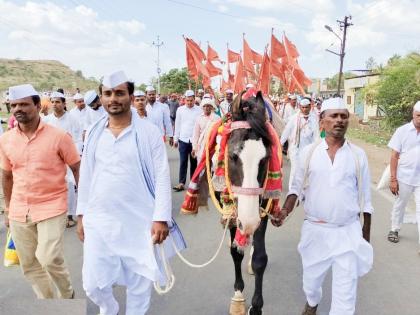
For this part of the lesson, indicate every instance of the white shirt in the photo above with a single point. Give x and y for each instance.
(309, 132)
(406, 141)
(93, 116)
(224, 106)
(332, 194)
(80, 116)
(65, 122)
(185, 121)
(288, 111)
(159, 115)
(120, 209)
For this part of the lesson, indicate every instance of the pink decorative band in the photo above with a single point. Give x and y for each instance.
(240, 124)
(247, 191)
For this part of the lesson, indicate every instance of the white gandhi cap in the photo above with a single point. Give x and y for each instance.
(77, 96)
(189, 93)
(417, 107)
(333, 103)
(57, 94)
(114, 79)
(138, 93)
(90, 97)
(21, 91)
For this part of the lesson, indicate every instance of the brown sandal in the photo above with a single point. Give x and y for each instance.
(179, 187)
(309, 310)
(393, 237)
(70, 223)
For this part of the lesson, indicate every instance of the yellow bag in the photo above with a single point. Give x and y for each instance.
(10, 255)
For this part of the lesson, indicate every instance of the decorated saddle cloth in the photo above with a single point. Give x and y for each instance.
(217, 152)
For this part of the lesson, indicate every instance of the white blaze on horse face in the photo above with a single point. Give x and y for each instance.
(248, 206)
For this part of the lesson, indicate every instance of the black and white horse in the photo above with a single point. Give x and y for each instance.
(249, 154)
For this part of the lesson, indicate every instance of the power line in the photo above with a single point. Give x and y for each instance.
(227, 14)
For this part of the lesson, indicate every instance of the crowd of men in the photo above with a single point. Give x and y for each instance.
(104, 164)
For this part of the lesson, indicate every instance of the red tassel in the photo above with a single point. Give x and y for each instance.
(190, 204)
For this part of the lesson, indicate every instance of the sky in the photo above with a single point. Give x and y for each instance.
(102, 36)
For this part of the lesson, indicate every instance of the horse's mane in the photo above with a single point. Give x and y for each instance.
(252, 110)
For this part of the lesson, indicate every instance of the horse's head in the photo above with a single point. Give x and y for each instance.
(249, 153)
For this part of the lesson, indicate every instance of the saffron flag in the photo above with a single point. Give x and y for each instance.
(239, 85)
(197, 56)
(212, 54)
(277, 49)
(248, 58)
(212, 69)
(291, 50)
(233, 56)
(264, 77)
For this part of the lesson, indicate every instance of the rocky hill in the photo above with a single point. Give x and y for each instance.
(44, 75)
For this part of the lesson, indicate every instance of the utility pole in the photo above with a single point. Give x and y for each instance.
(343, 27)
(158, 44)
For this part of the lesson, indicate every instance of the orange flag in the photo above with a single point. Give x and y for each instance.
(239, 77)
(291, 50)
(264, 77)
(233, 56)
(256, 57)
(192, 70)
(277, 49)
(212, 54)
(249, 66)
(212, 69)
(277, 69)
(197, 55)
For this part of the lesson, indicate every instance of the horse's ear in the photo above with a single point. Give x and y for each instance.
(236, 104)
(260, 100)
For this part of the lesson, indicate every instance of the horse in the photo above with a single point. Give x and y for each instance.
(242, 181)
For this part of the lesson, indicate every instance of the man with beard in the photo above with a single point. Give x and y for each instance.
(94, 110)
(34, 157)
(60, 118)
(333, 177)
(158, 114)
(124, 202)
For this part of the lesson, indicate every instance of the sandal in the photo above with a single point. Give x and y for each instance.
(179, 187)
(309, 310)
(70, 223)
(393, 237)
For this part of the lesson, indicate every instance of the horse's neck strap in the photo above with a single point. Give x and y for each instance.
(240, 124)
(247, 191)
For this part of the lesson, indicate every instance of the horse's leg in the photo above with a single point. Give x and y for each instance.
(237, 305)
(259, 262)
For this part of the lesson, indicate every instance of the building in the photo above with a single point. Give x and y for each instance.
(356, 101)
(319, 89)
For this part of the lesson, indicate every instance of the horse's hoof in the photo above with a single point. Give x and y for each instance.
(237, 304)
(250, 309)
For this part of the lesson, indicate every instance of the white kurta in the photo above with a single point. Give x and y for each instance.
(71, 126)
(93, 116)
(159, 115)
(406, 141)
(201, 128)
(224, 106)
(185, 121)
(300, 132)
(331, 234)
(118, 207)
(80, 117)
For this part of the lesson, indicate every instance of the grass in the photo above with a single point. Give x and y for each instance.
(370, 134)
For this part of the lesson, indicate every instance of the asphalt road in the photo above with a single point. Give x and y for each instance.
(392, 287)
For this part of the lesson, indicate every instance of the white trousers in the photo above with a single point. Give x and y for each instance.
(139, 291)
(344, 284)
(397, 214)
(71, 198)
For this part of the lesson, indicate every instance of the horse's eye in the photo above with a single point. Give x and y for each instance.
(234, 157)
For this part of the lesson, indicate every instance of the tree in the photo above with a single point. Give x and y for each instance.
(332, 83)
(398, 89)
(142, 87)
(176, 81)
(371, 64)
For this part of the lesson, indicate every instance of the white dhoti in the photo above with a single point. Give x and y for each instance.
(397, 215)
(345, 251)
(71, 193)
